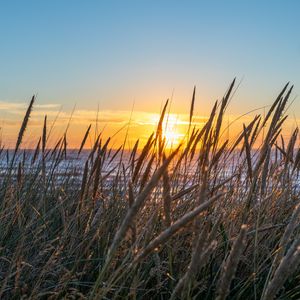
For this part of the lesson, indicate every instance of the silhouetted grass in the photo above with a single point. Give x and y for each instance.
(210, 219)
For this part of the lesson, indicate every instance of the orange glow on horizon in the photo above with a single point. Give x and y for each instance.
(114, 124)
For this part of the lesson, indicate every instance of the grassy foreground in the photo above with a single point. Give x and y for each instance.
(212, 219)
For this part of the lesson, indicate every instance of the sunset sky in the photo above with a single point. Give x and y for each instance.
(124, 55)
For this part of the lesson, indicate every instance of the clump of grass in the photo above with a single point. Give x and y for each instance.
(155, 223)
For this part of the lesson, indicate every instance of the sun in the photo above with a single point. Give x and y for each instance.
(172, 137)
(170, 130)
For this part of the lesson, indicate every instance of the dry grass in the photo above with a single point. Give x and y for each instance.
(211, 219)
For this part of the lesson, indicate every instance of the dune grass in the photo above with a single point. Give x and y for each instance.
(211, 219)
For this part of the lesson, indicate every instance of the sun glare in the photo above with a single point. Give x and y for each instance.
(171, 132)
(173, 138)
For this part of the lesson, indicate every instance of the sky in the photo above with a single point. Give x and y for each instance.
(119, 55)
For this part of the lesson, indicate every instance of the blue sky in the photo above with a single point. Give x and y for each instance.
(117, 52)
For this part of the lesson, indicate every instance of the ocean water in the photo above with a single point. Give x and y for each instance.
(73, 164)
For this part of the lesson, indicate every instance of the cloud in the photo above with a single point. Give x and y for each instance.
(47, 106)
(11, 106)
(18, 107)
(16, 110)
